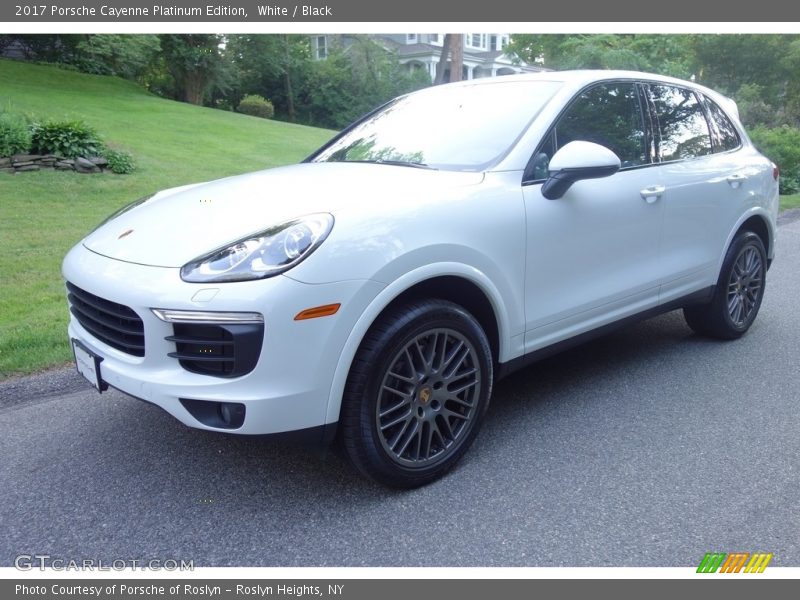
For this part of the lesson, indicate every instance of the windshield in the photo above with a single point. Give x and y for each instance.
(462, 127)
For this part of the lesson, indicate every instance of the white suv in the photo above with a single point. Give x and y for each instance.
(375, 291)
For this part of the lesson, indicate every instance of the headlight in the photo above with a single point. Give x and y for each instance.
(263, 254)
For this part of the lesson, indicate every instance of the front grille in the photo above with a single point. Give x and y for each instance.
(114, 324)
(228, 350)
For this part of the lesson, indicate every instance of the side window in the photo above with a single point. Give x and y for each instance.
(724, 133)
(682, 130)
(608, 114)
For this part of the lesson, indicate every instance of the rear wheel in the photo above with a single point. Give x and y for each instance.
(738, 293)
(416, 394)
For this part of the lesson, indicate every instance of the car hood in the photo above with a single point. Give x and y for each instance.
(176, 226)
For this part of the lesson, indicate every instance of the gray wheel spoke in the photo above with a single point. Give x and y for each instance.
(437, 433)
(418, 444)
(411, 435)
(395, 391)
(420, 354)
(753, 262)
(746, 304)
(452, 355)
(397, 436)
(403, 377)
(459, 401)
(443, 423)
(456, 363)
(463, 387)
(404, 417)
(397, 406)
(739, 310)
(451, 413)
(442, 352)
(428, 437)
(411, 364)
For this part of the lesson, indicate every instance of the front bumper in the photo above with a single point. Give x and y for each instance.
(289, 387)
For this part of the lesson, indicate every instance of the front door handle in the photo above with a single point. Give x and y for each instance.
(652, 193)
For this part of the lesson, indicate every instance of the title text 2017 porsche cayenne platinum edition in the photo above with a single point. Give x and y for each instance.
(375, 291)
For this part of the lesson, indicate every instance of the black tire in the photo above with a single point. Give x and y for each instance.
(738, 293)
(405, 421)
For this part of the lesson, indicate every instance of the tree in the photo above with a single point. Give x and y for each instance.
(196, 64)
(128, 56)
(272, 66)
(443, 57)
(352, 81)
(668, 54)
(452, 56)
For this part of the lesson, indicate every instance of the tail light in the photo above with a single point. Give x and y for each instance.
(775, 172)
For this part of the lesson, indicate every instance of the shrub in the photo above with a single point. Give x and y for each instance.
(781, 145)
(119, 161)
(15, 135)
(753, 110)
(69, 139)
(257, 106)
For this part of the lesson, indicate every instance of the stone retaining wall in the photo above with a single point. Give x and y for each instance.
(19, 163)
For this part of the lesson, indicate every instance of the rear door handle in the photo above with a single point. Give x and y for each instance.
(736, 179)
(652, 193)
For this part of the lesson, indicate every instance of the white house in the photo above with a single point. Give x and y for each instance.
(483, 54)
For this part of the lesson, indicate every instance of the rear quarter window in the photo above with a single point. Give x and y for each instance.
(722, 129)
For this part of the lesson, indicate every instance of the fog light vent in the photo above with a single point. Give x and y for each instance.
(220, 415)
(218, 350)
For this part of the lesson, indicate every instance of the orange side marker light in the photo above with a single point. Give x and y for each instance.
(318, 311)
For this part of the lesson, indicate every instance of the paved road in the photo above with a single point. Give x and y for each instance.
(648, 447)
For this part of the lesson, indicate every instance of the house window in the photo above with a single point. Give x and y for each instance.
(411, 38)
(493, 43)
(434, 38)
(322, 47)
(477, 40)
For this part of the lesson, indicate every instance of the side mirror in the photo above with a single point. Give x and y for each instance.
(576, 161)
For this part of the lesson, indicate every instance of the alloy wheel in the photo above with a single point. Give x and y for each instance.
(744, 285)
(428, 398)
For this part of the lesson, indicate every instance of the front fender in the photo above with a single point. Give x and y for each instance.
(508, 347)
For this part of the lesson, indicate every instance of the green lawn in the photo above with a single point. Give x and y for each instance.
(42, 214)
(792, 201)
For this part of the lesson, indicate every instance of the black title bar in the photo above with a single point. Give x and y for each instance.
(732, 588)
(362, 11)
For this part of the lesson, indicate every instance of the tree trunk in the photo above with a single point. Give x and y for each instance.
(442, 64)
(194, 88)
(452, 54)
(456, 56)
(287, 79)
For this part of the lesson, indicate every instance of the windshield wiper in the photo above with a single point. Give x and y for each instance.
(396, 163)
(403, 163)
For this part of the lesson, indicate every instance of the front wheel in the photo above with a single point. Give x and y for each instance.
(416, 394)
(738, 294)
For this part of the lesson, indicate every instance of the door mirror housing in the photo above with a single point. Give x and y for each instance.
(576, 161)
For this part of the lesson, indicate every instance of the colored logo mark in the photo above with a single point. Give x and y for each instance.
(737, 562)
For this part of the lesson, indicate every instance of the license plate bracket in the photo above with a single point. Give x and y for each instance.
(88, 365)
